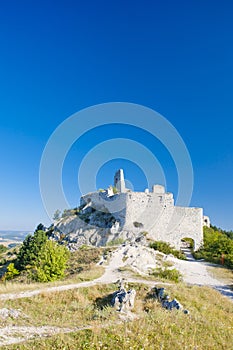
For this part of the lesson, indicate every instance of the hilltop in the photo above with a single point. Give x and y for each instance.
(78, 313)
(92, 252)
(118, 214)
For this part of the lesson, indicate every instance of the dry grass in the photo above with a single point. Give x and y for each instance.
(86, 275)
(81, 267)
(207, 327)
(221, 273)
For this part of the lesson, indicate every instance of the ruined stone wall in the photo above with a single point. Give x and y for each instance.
(152, 212)
(156, 214)
(116, 204)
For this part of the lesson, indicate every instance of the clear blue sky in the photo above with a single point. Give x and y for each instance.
(58, 57)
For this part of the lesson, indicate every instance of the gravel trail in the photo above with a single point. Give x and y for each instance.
(193, 271)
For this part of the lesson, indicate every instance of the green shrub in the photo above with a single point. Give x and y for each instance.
(117, 241)
(216, 244)
(3, 249)
(167, 249)
(168, 274)
(11, 272)
(115, 190)
(137, 224)
(43, 259)
(3, 261)
(51, 262)
(144, 233)
(101, 190)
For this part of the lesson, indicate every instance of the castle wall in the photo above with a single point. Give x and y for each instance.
(153, 212)
(156, 214)
(108, 204)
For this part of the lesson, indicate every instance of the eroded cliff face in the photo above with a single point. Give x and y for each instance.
(105, 218)
(90, 227)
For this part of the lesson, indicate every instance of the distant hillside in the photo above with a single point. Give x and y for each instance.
(17, 236)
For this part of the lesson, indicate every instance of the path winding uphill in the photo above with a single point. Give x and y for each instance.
(138, 257)
(195, 272)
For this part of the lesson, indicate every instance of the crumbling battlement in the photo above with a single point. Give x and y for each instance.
(153, 213)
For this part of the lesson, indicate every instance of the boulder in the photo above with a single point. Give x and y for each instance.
(166, 302)
(123, 300)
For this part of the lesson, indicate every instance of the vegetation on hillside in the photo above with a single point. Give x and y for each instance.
(167, 273)
(3, 249)
(167, 249)
(227, 233)
(208, 326)
(41, 259)
(217, 247)
(80, 266)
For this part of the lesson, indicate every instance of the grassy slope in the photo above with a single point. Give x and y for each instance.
(81, 267)
(208, 326)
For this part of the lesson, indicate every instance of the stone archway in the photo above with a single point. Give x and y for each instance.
(187, 243)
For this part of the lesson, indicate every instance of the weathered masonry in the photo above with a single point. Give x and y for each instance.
(152, 213)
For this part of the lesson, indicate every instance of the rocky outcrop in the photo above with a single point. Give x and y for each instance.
(165, 301)
(122, 299)
(90, 227)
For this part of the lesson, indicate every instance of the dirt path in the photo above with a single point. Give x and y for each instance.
(111, 275)
(18, 334)
(194, 272)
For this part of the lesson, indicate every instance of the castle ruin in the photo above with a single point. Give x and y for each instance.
(149, 213)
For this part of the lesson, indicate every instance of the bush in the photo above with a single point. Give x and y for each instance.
(229, 234)
(167, 249)
(43, 259)
(137, 224)
(117, 241)
(51, 262)
(3, 249)
(115, 190)
(11, 272)
(3, 261)
(168, 274)
(216, 245)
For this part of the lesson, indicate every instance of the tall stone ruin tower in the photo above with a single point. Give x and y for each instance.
(152, 212)
(119, 181)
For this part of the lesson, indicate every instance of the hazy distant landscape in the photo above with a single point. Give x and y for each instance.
(9, 236)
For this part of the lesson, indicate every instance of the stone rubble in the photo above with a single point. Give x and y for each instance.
(123, 300)
(166, 303)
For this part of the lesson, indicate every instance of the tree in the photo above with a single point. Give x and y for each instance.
(216, 245)
(57, 215)
(40, 227)
(30, 249)
(51, 262)
(3, 249)
(44, 259)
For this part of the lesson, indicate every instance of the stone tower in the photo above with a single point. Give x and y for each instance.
(119, 180)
